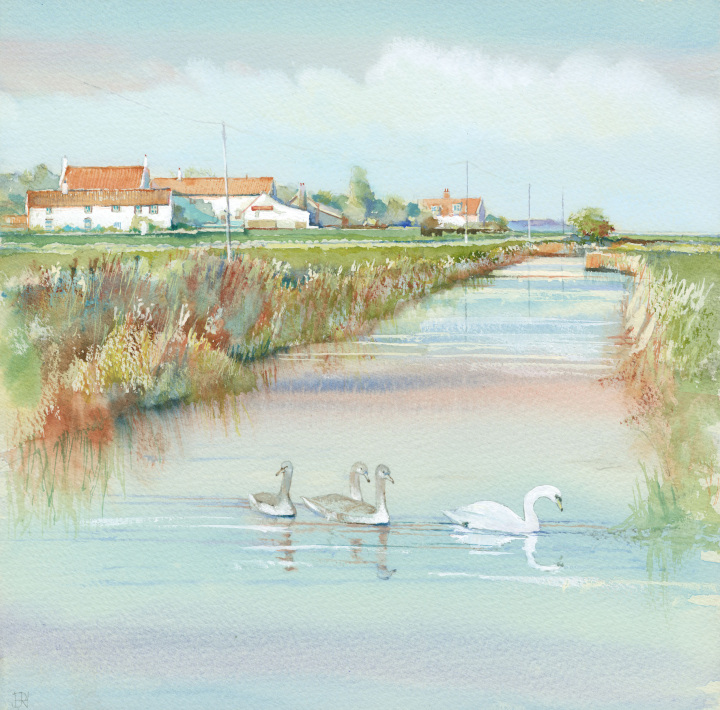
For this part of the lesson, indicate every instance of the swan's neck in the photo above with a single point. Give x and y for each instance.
(285, 486)
(531, 517)
(380, 504)
(355, 492)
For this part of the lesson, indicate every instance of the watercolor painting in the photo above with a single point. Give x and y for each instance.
(360, 355)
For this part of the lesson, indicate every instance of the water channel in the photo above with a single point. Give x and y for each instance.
(174, 594)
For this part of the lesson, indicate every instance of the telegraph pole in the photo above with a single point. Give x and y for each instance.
(467, 196)
(528, 211)
(227, 194)
(563, 210)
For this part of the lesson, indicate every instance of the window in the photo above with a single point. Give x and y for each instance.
(48, 210)
(116, 208)
(88, 223)
(435, 209)
(457, 207)
(48, 224)
(138, 209)
(88, 208)
(153, 209)
(118, 225)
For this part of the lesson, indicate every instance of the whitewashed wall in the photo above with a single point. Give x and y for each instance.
(241, 210)
(101, 216)
(285, 217)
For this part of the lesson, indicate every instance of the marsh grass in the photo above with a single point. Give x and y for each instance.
(85, 346)
(670, 371)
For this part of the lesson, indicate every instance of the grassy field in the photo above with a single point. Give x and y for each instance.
(15, 260)
(211, 236)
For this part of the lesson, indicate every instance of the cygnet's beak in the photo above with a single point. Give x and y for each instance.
(559, 503)
(367, 476)
(390, 478)
(280, 471)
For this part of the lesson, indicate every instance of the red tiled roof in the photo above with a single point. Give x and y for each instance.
(446, 204)
(212, 186)
(80, 198)
(114, 177)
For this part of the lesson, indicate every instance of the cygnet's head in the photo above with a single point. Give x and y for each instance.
(285, 467)
(383, 471)
(361, 469)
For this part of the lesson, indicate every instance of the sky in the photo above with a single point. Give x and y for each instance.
(614, 104)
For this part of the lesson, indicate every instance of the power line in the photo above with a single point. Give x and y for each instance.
(293, 146)
(144, 105)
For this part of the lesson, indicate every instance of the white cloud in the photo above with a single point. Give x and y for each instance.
(618, 132)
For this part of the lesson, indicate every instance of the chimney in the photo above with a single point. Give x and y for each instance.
(179, 173)
(63, 169)
(447, 194)
(145, 182)
(302, 197)
(64, 187)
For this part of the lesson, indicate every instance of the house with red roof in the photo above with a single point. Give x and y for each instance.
(253, 200)
(100, 197)
(453, 211)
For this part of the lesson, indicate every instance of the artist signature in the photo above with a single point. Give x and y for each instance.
(21, 700)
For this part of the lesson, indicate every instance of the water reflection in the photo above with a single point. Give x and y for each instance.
(280, 542)
(489, 544)
(364, 553)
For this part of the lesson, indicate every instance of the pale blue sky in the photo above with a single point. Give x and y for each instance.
(617, 102)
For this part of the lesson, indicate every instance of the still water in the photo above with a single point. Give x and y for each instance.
(175, 594)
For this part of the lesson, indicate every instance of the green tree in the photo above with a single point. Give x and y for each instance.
(396, 210)
(413, 211)
(591, 224)
(325, 197)
(361, 198)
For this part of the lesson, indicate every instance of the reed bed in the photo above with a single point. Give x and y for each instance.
(82, 347)
(672, 355)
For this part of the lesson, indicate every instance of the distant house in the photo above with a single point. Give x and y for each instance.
(320, 215)
(452, 211)
(253, 201)
(15, 221)
(94, 197)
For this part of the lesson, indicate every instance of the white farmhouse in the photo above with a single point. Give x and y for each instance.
(253, 201)
(97, 209)
(90, 197)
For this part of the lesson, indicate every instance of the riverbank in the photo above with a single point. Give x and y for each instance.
(670, 370)
(86, 344)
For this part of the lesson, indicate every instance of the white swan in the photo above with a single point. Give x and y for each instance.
(278, 505)
(488, 515)
(332, 503)
(360, 513)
